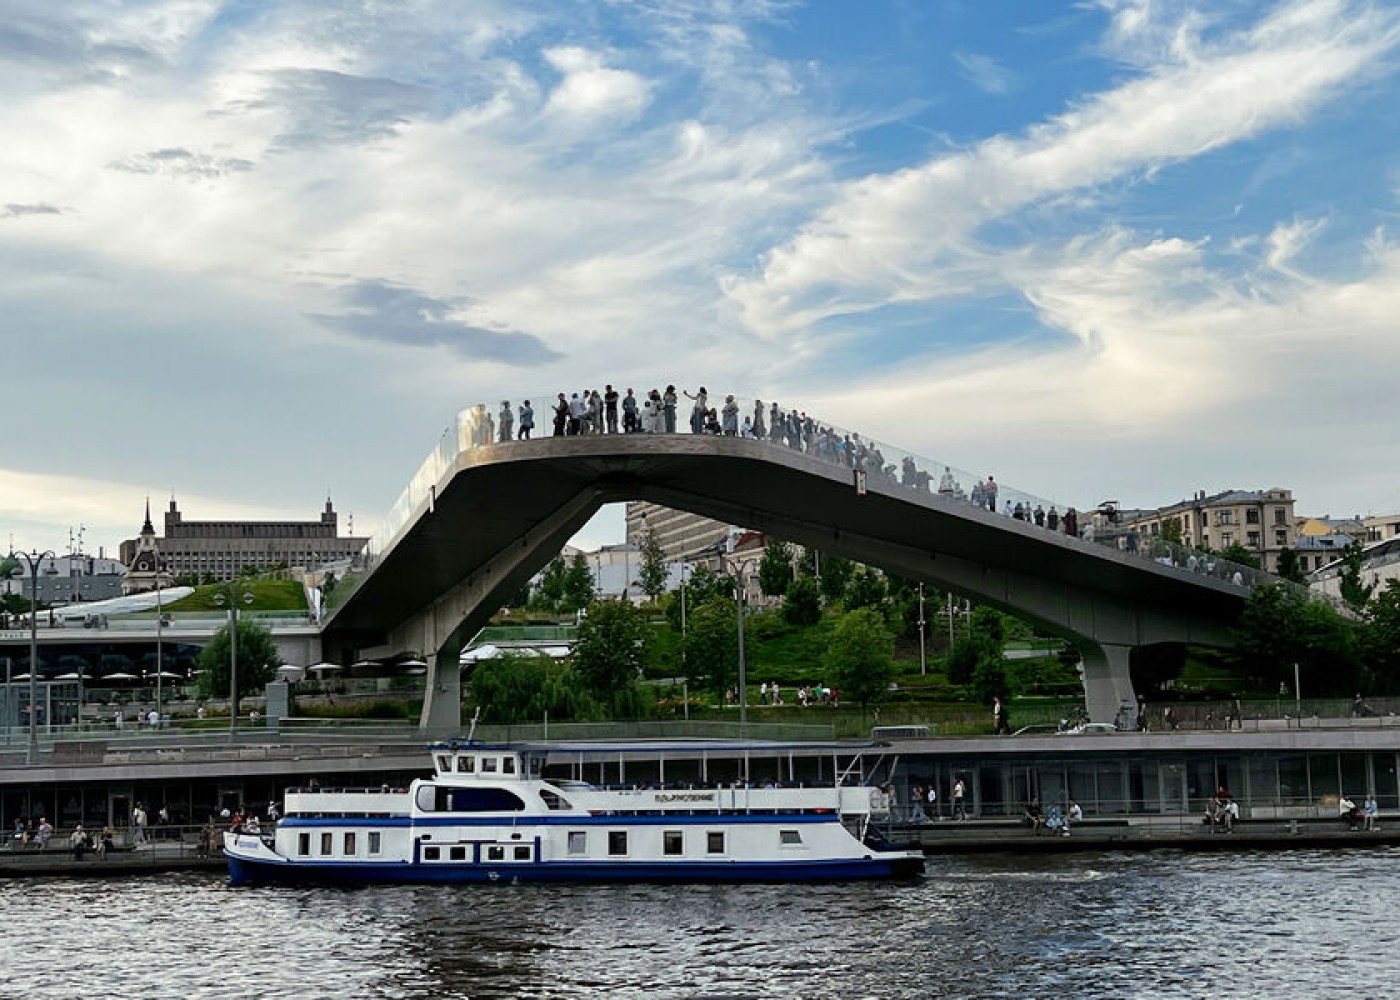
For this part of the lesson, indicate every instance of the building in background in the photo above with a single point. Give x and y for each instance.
(1261, 521)
(1381, 527)
(70, 579)
(222, 549)
(680, 535)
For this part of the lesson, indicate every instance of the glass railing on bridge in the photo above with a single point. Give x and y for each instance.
(887, 468)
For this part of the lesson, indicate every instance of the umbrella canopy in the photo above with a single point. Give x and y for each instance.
(169, 675)
(322, 667)
(73, 677)
(120, 677)
(413, 663)
(486, 652)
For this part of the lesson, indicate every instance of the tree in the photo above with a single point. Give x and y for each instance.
(1237, 553)
(258, 661)
(1381, 641)
(1289, 567)
(1281, 626)
(802, 606)
(860, 655)
(775, 569)
(865, 588)
(989, 679)
(579, 585)
(550, 593)
(835, 572)
(1171, 531)
(512, 689)
(1354, 592)
(654, 572)
(609, 654)
(712, 645)
(986, 632)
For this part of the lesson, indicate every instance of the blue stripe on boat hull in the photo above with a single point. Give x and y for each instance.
(244, 871)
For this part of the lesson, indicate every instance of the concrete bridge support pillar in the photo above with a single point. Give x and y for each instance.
(1108, 687)
(442, 695)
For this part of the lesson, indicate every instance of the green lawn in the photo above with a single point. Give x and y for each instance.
(268, 595)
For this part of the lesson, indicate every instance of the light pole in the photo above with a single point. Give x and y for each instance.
(33, 559)
(160, 664)
(923, 662)
(741, 568)
(221, 598)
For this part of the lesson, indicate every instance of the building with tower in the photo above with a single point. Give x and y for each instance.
(222, 550)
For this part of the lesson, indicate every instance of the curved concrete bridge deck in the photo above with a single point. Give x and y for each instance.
(494, 514)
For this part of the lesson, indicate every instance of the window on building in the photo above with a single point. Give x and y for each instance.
(1225, 517)
(672, 843)
(1281, 537)
(1252, 539)
(578, 842)
(714, 842)
(617, 842)
(1280, 516)
(1227, 538)
(1251, 515)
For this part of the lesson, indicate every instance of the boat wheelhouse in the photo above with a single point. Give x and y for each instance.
(673, 811)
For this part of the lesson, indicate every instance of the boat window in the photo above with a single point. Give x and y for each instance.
(374, 842)
(578, 842)
(789, 837)
(426, 799)
(553, 800)
(477, 800)
(303, 843)
(327, 844)
(458, 853)
(349, 845)
(672, 843)
(522, 852)
(617, 842)
(714, 841)
(495, 852)
(432, 853)
(466, 763)
(488, 765)
(508, 765)
(444, 763)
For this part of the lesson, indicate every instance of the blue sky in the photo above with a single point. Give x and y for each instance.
(254, 253)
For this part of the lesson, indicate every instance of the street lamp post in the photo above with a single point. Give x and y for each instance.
(221, 598)
(160, 664)
(923, 662)
(741, 568)
(33, 560)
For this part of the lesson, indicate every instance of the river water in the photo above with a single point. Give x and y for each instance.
(1163, 924)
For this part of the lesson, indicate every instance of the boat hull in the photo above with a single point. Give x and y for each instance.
(264, 871)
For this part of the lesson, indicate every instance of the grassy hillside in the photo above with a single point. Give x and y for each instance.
(268, 595)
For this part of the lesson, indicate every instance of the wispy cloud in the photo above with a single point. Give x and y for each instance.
(13, 211)
(985, 73)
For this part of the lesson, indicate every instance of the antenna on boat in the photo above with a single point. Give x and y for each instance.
(471, 730)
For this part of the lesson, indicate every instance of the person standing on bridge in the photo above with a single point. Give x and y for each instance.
(506, 424)
(759, 431)
(730, 423)
(629, 413)
(989, 491)
(610, 408)
(527, 421)
(697, 412)
(561, 415)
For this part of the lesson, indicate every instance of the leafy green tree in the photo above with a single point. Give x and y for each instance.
(983, 641)
(654, 571)
(512, 689)
(579, 585)
(990, 679)
(835, 573)
(865, 588)
(775, 569)
(258, 661)
(802, 606)
(712, 645)
(861, 655)
(549, 595)
(1290, 568)
(609, 655)
(1171, 531)
(1281, 626)
(1381, 641)
(1354, 592)
(1237, 553)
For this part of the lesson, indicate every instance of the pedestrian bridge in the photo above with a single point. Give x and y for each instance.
(483, 515)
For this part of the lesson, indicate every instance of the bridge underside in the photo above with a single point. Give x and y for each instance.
(499, 514)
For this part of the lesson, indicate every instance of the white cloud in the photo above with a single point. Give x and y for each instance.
(593, 90)
(886, 238)
(984, 72)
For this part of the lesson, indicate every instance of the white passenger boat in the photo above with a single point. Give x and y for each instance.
(729, 812)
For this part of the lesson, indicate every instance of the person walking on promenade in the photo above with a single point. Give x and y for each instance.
(527, 421)
(78, 841)
(959, 791)
(45, 831)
